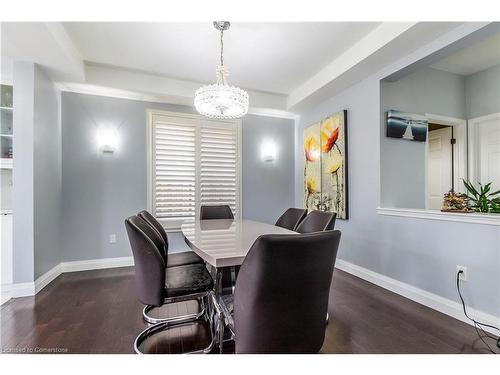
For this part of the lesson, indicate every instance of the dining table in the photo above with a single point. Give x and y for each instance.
(223, 244)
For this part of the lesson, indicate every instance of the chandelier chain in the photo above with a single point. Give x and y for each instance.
(222, 48)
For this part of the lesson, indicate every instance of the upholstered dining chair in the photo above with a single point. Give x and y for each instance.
(291, 218)
(274, 310)
(317, 221)
(208, 212)
(158, 285)
(172, 259)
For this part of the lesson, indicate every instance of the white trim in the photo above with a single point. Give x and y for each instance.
(48, 277)
(270, 112)
(96, 264)
(474, 218)
(441, 304)
(32, 288)
(110, 92)
(17, 290)
(445, 120)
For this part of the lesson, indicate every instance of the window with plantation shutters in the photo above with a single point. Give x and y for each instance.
(192, 161)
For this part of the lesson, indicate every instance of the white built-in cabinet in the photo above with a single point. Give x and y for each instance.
(6, 243)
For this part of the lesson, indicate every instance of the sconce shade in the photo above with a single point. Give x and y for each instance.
(268, 151)
(107, 139)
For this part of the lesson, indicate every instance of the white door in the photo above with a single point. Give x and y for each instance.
(438, 167)
(489, 152)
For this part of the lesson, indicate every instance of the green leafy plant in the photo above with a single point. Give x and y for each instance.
(495, 205)
(482, 200)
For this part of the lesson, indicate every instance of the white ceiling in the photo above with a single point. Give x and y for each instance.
(472, 59)
(270, 57)
(286, 67)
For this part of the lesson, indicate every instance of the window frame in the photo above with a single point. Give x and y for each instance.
(198, 122)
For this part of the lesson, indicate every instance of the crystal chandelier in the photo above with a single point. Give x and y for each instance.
(221, 100)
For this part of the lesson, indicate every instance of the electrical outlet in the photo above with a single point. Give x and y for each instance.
(112, 238)
(463, 275)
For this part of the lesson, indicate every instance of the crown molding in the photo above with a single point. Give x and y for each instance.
(88, 89)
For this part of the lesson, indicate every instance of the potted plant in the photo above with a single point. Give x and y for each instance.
(482, 200)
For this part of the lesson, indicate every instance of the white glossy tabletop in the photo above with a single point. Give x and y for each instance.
(224, 243)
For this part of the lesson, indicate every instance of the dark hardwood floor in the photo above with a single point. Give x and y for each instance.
(97, 312)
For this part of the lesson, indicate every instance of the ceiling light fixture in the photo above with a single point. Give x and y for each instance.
(220, 100)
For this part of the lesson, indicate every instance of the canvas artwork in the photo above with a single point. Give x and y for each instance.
(325, 170)
(407, 126)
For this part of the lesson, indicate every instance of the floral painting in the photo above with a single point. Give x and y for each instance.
(312, 167)
(325, 172)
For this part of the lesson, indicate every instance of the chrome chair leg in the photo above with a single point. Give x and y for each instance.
(177, 322)
(179, 318)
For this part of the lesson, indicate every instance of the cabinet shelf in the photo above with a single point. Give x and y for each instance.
(6, 163)
(6, 131)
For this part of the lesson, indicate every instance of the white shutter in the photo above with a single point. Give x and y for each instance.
(174, 168)
(219, 181)
(193, 161)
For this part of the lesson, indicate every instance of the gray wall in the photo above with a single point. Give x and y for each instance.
(425, 91)
(47, 174)
(22, 172)
(100, 191)
(482, 91)
(36, 196)
(268, 187)
(420, 252)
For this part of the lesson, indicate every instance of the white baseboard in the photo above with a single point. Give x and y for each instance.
(441, 304)
(96, 264)
(31, 288)
(47, 277)
(16, 290)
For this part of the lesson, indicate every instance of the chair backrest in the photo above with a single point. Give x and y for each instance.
(216, 212)
(281, 293)
(291, 218)
(317, 221)
(156, 225)
(148, 261)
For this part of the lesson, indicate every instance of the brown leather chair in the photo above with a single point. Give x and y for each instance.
(216, 212)
(281, 294)
(291, 218)
(173, 259)
(157, 285)
(317, 221)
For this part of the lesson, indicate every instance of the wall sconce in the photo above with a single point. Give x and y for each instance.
(268, 151)
(107, 139)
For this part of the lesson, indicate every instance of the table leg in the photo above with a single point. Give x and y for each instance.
(220, 320)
